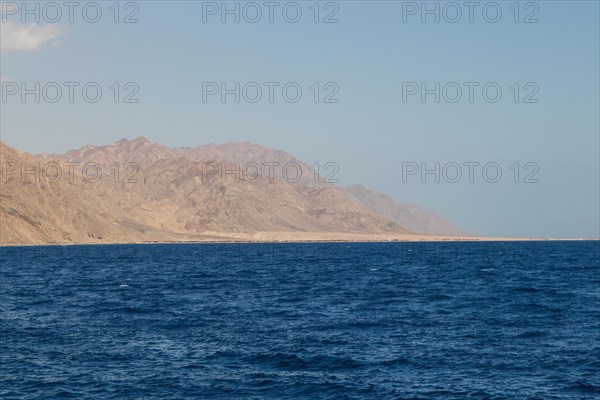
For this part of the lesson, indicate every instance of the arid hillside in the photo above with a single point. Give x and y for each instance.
(408, 216)
(136, 191)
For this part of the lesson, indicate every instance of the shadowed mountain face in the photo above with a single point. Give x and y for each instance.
(408, 216)
(136, 191)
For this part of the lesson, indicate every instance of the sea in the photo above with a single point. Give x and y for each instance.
(417, 320)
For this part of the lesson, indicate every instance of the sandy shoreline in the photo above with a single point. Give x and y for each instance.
(298, 237)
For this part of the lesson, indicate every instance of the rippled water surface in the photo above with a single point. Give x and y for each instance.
(315, 321)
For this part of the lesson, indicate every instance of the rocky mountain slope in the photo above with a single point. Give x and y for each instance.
(138, 191)
(148, 192)
(410, 217)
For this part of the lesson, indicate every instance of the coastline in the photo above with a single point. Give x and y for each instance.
(296, 237)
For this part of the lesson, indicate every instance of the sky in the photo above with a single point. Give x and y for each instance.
(425, 101)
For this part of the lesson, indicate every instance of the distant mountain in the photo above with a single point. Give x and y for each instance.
(408, 216)
(138, 191)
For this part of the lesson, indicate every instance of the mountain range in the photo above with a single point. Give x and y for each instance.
(135, 191)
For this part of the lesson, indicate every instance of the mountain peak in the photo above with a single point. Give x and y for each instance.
(126, 145)
(141, 140)
(137, 141)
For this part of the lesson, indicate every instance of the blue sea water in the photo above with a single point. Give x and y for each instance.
(514, 320)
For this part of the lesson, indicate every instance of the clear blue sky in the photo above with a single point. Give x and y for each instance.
(369, 53)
